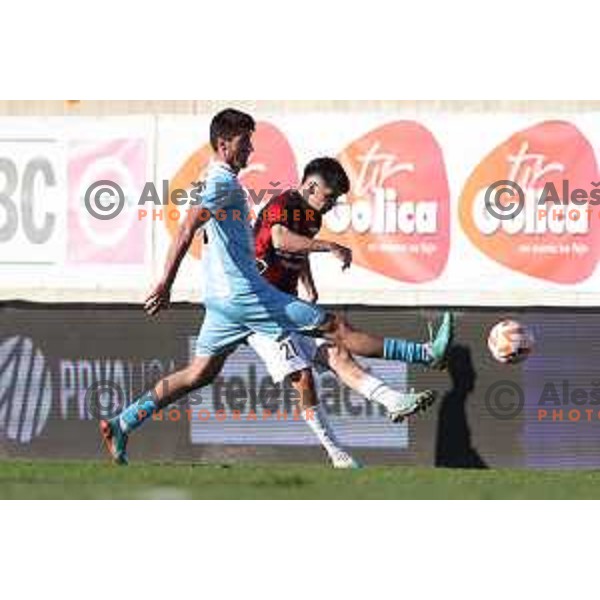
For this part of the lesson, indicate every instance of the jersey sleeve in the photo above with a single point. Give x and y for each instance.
(219, 192)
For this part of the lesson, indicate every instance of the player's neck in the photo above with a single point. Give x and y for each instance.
(219, 160)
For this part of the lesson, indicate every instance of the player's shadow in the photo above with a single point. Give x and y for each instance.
(453, 447)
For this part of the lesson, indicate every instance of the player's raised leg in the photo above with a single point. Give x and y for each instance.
(431, 353)
(399, 405)
(300, 317)
(296, 352)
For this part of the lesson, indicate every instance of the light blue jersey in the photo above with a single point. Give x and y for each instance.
(238, 300)
(230, 266)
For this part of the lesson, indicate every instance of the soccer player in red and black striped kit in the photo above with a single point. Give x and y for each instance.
(285, 233)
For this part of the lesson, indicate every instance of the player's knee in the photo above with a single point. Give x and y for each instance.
(333, 324)
(337, 329)
(302, 378)
(336, 356)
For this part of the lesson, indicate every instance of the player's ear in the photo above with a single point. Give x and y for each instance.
(222, 146)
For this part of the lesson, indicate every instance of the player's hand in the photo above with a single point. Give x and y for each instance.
(159, 298)
(343, 254)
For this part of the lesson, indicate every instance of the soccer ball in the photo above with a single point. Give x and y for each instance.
(510, 342)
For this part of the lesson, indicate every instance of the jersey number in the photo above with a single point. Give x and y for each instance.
(290, 350)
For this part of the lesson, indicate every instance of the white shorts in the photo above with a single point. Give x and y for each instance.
(287, 355)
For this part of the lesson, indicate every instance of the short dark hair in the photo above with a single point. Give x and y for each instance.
(229, 123)
(331, 171)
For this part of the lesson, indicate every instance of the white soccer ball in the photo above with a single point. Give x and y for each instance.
(510, 342)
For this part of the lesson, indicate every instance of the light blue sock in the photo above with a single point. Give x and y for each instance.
(137, 412)
(405, 351)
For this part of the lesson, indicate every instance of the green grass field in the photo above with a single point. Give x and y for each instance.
(21, 480)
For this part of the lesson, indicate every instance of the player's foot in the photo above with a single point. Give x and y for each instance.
(342, 460)
(440, 343)
(114, 440)
(410, 404)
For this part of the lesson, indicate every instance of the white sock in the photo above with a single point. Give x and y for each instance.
(375, 390)
(315, 418)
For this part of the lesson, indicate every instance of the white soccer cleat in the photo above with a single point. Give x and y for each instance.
(410, 403)
(342, 460)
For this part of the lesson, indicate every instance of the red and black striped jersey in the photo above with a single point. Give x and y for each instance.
(290, 209)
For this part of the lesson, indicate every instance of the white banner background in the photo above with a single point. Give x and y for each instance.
(59, 270)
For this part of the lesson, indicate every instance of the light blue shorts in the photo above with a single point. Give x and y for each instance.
(228, 322)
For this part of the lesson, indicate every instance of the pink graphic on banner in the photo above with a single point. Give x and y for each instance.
(122, 238)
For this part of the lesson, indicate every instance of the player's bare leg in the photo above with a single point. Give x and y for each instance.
(431, 353)
(303, 382)
(199, 373)
(399, 405)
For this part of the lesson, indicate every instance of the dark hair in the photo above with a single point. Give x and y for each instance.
(229, 123)
(331, 171)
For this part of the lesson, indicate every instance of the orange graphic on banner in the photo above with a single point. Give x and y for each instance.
(396, 217)
(550, 241)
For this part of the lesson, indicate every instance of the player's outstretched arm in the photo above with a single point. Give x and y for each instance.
(160, 296)
(289, 241)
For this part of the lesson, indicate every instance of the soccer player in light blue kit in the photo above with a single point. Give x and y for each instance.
(238, 300)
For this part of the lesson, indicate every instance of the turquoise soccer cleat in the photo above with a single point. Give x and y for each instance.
(114, 440)
(440, 343)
